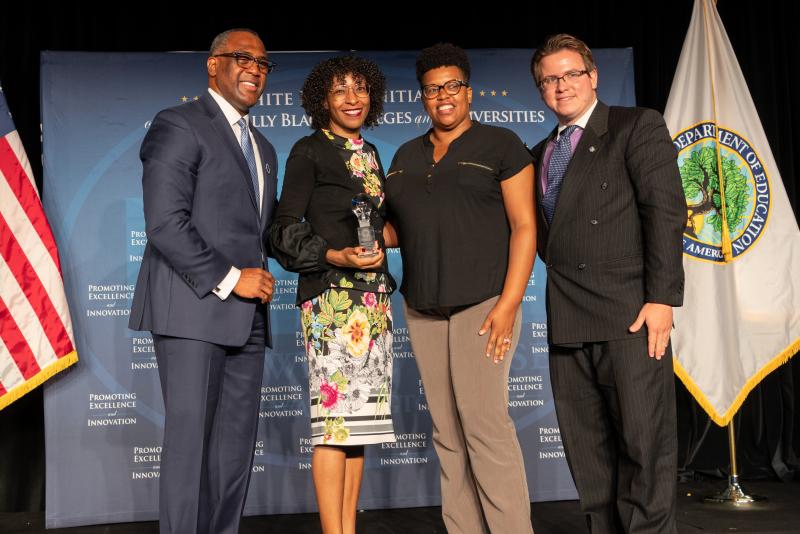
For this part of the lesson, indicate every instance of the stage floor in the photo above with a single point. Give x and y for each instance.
(780, 514)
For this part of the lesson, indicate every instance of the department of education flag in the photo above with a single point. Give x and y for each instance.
(36, 339)
(741, 314)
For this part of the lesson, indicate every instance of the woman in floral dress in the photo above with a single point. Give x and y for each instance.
(344, 289)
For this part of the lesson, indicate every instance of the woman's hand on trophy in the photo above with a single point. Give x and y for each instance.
(356, 258)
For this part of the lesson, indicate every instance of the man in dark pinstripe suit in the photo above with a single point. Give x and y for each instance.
(611, 218)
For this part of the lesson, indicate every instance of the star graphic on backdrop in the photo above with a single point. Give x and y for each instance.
(504, 93)
(196, 98)
(184, 99)
(494, 93)
(483, 93)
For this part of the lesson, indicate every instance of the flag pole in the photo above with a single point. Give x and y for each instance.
(725, 245)
(733, 495)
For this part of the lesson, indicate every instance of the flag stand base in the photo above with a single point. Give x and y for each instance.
(733, 496)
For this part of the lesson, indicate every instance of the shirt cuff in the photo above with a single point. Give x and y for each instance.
(224, 288)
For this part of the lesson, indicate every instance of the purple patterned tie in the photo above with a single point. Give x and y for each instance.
(559, 161)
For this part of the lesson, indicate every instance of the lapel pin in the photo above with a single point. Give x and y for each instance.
(266, 165)
(591, 148)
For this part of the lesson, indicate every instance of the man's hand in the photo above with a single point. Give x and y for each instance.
(255, 283)
(658, 318)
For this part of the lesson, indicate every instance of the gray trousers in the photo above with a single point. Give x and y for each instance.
(616, 411)
(484, 488)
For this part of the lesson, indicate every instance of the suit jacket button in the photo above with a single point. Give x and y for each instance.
(604, 186)
(581, 266)
(593, 221)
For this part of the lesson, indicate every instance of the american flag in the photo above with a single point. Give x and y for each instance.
(36, 339)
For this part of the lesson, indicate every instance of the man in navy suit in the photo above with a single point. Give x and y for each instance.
(209, 183)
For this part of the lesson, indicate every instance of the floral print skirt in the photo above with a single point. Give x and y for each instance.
(348, 336)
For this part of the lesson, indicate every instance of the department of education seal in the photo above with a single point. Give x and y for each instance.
(747, 191)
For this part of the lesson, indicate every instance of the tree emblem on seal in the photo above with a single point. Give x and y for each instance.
(700, 178)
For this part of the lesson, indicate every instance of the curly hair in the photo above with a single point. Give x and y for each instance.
(442, 55)
(325, 73)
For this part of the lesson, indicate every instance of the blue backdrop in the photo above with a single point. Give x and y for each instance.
(104, 417)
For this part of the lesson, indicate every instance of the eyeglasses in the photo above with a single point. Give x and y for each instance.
(568, 77)
(244, 60)
(452, 88)
(339, 92)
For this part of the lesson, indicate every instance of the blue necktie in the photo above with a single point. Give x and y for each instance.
(559, 161)
(249, 155)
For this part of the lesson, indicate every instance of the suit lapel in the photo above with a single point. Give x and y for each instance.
(223, 129)
(542, 149)
(580, 166)
(267, 167)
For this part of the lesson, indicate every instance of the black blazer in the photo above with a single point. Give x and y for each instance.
(615, 241)
(315, 214)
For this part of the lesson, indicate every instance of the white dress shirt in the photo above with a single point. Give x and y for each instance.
(225, 287)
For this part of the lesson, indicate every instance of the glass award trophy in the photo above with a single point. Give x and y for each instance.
(362, 208)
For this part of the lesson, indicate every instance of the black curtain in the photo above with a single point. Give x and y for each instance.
(761, 34)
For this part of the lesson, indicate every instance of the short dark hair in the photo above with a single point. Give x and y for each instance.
(221, 40)
(556, 43)
(442, 55)
(322, 77)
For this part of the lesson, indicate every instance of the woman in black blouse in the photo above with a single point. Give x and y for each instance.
(344, 290)
(461, 200)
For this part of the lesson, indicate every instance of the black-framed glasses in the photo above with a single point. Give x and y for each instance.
(451, 87)
(244, 60)
(568, 77)
(339, 92)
